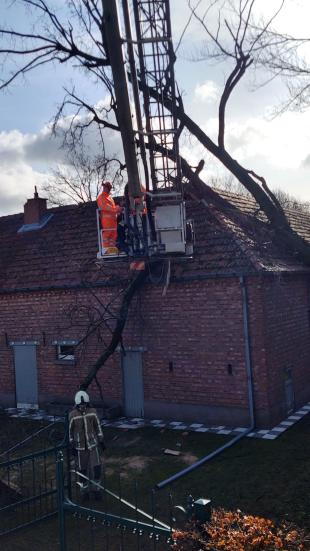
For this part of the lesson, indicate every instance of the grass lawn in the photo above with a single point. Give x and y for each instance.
(261, 477)
(269, 478)
(14, 430)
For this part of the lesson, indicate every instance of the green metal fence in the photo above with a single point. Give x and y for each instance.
(45, 483)
(114, 524)
(28, 489)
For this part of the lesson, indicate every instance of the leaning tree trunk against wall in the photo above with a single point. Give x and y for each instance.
(135, 284)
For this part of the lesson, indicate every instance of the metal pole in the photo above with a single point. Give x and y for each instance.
(247, 345)
(194, 466)
(68, 456)
(60, 502)
(20, 444)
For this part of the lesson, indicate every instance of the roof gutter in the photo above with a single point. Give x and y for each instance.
(249, 372)
(181, 279)
(115, 283)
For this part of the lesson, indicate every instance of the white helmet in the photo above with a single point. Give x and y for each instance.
(81, 397)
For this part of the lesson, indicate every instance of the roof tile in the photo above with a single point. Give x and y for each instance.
(64, 251)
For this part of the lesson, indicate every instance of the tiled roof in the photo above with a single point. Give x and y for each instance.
(256, 237)
(63, 252)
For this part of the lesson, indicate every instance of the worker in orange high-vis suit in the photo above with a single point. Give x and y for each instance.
(108, 218)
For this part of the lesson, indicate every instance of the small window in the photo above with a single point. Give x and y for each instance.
(65, 352)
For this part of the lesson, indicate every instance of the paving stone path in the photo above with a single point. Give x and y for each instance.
(137, 423)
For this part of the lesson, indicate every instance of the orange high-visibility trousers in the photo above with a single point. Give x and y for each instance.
(108, 219)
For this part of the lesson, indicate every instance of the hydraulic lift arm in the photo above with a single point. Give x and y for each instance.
(142, 61)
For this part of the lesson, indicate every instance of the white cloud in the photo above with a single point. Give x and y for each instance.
(279, 149)
(283, 142)
(26, 160)
(17, 176)
(42, 147)
(306, 161)
(292, 19)
(207, 92)
(17, 185)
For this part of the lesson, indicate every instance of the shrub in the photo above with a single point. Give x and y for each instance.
(234, 531)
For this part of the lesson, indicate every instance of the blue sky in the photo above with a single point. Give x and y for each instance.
(279, 149)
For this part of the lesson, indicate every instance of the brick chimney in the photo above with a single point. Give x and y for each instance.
(34, 209)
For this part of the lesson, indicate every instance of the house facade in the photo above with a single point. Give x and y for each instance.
(227, 325)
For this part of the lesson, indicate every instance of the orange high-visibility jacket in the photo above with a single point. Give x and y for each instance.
(108, 219)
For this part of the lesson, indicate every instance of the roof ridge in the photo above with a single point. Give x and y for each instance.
(55, 208)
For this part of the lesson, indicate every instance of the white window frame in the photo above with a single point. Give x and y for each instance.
(64, 357)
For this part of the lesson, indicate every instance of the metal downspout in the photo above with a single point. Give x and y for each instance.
(247, 344)
(248, 366)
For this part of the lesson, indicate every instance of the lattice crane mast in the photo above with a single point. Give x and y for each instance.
(139, 41)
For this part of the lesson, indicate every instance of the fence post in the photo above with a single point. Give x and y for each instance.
(68, 456)
(60, 501)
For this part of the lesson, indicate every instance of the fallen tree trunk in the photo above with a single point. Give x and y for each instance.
(267, 202)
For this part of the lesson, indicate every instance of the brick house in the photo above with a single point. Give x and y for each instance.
(240, 305)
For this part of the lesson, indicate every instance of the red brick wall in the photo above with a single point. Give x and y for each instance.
(198, 326)
(287, 337)
(200, 346)
(27, 317)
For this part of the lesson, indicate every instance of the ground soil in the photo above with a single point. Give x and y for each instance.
(261, 477)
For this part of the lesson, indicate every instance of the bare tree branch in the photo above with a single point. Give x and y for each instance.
(58, 42)
(78, 179)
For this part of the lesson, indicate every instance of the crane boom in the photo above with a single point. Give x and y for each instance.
(142, 64)
(156, 67)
